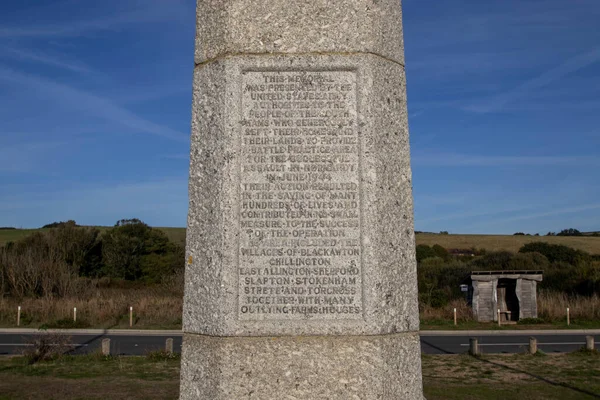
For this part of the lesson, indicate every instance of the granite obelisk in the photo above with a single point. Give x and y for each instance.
(301, 275)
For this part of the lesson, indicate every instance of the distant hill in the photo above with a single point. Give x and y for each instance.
(512, 243)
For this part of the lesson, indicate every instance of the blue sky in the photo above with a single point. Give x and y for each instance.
(504, 110)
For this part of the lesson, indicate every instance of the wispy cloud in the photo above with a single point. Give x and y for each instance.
(471, 214)
(497, 103)
(40, 57)
(469, 160)
(579, 216)
(556, 211)
(25, 157)
(89, 103)
(142, 12)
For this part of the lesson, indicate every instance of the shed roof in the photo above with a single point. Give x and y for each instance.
(508, 272)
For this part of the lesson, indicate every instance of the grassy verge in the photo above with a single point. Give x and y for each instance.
(89, 377)
(572, 376)
(445, 325)
(565, 377)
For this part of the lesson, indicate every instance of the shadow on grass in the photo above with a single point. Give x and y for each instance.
(540, 378)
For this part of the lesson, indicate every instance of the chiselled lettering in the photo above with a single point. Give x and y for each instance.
(300, 204)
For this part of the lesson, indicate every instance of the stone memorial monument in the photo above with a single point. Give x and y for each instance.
(301, 273)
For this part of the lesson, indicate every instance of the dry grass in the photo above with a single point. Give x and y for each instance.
(507, 242)
(553, 307)
(158, 307)
(464, 313)
(103, 308)
(488, 242)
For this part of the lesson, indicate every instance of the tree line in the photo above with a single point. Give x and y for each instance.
(54, 262)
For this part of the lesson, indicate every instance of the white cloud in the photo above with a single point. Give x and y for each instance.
(498, 102)
(40, 57)
(470, 160)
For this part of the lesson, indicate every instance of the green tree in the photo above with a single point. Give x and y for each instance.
(132, 250)
(569, 232)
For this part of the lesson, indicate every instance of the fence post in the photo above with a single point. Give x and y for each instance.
(455, 317)
(532, 345)
(568, 317)
(19, 316)
(74, 314)
(499, 323)
(130, 317)
(169, 346)
(474, 346)
(106, 347)
(589, 343)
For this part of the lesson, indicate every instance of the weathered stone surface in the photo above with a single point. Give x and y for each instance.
(383, 367)
(375, 118)
(227, 27)
(301, 276)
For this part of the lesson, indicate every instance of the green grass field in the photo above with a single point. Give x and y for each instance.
(488, 242)
(540, 377)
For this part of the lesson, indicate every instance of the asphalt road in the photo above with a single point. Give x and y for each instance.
(126, 342)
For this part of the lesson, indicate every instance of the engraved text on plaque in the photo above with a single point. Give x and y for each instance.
(300, 204)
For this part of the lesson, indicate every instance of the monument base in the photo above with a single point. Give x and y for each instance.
(383, 367)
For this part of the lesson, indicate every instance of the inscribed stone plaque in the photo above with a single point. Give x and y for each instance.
(300, 199)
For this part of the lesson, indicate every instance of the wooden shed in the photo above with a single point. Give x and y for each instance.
(514, 293)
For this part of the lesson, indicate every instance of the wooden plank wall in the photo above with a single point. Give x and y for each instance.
(485, 301)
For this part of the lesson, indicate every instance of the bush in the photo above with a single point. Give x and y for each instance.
(47, 346)
(528, 261)
(423, 252)
(557, 252)
(441, 252)
(59, 224)
(497, 260)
